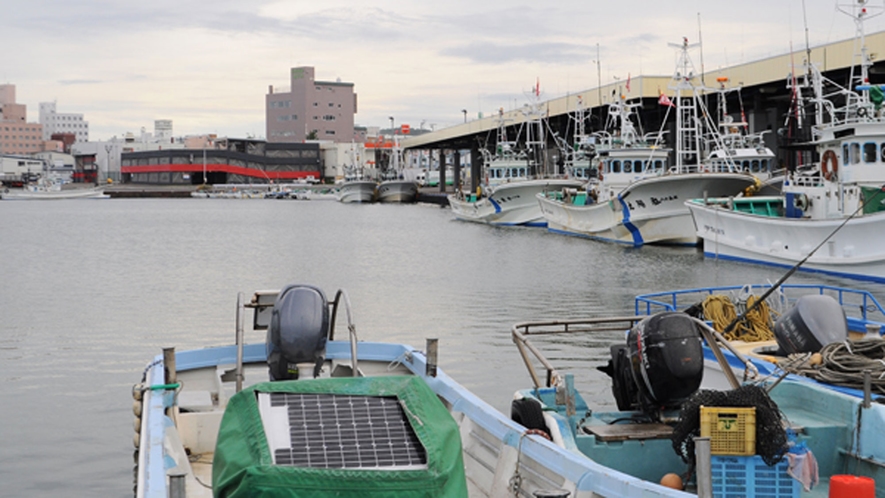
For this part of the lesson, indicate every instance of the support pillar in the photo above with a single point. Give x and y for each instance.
(457, 170)
(442, 171)
(475, 169)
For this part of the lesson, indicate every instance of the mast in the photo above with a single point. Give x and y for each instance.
(688, 136)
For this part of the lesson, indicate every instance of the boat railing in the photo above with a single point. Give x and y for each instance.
(521, 331)
(858, 304)
(262, 303)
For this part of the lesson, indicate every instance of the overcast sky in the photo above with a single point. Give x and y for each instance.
(206, 65)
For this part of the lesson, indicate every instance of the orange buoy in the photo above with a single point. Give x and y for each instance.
(848, 486)
(672, 481)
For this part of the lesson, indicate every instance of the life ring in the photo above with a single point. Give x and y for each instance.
(829, 165)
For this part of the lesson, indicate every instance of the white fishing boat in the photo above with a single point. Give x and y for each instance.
(394, 187)
(831, 215)
(639, 198)
(512, 180)
(50, 190)
(357, 186)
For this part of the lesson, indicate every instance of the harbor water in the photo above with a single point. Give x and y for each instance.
(93, 290)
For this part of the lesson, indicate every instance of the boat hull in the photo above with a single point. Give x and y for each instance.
(855, 250)
(397, 191)
(510, 204)
(357, 191)
(649, 211)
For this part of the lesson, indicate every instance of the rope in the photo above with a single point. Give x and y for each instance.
(843, 364)
(755, 327)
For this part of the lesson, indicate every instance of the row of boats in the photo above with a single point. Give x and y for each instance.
(701, 410)
(722, 189)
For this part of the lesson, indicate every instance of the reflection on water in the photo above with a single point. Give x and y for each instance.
(93, 290)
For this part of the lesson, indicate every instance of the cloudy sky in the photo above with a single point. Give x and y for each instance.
(206, 65)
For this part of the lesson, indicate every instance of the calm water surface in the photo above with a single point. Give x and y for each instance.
(92, 290)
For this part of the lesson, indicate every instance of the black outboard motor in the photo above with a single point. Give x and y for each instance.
(299, 328)
(661, 365)
(815, 321)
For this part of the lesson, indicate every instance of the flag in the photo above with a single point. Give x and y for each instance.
(628, 82)
(664, 100)
(538, 87)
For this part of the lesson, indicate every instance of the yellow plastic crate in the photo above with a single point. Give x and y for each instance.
(732, 430)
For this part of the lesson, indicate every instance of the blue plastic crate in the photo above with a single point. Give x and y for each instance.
(750, 477)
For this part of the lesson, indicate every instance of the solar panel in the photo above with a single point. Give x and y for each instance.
(338, 431)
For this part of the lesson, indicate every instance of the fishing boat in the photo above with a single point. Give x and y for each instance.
(513, 177)
(679, 437)
(831, 214)
(44, 189)
(356, 187)
(640, 197)
(394, 187)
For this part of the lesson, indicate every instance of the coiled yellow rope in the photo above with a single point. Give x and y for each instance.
(756, 327)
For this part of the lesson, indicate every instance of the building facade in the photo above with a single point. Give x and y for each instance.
(56, 123)
(17, 136)
(310, 110)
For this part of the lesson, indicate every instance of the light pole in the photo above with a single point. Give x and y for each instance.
(392, 131)
(464, 111)
(107, 150)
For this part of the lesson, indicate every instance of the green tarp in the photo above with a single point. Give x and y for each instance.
(243, 465)
(874, 200)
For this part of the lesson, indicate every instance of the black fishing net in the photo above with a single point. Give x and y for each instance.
(771, 436)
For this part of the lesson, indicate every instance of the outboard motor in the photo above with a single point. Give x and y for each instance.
(299, 328)
(815, 321)
(661, 365)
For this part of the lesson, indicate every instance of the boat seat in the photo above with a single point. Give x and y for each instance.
(626, 432)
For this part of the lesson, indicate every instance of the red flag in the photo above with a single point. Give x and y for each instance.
(538, 87)
(664, 100)
(628, 82)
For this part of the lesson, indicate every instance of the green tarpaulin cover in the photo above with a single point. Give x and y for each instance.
(243, 465)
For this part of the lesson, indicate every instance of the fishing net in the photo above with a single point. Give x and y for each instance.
(771, 437)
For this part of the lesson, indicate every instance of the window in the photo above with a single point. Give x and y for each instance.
(330, 132)
(755, 166)
(328, 117)
(616, 166)
(845, 159)
(869, 152)
(855, 153)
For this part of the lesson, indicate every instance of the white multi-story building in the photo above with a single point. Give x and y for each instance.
(54, 122)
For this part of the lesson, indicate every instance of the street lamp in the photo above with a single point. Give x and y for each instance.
(107, 150)
(465, 114)
(392, 131)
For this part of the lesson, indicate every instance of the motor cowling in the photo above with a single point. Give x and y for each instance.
(812, 323)
(666, 359)
(298, 331)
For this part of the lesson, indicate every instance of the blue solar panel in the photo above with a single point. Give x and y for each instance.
(346, 431)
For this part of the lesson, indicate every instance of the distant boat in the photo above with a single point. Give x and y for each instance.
(49, 190)
(513, 177)
(394, 187)
(356, 187)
